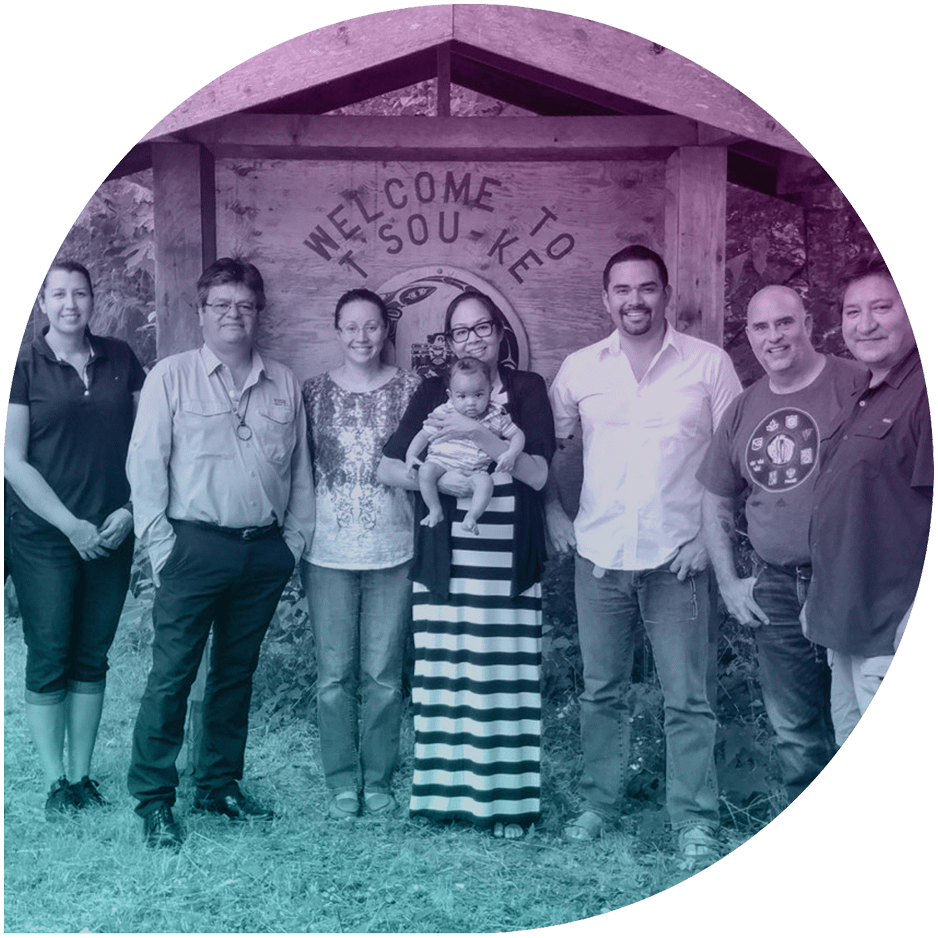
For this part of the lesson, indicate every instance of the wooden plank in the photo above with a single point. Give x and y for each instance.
(585, 57)
(302, 136)
(708, 136)
(695, 239)
(540, 234)
(315, 58)
(615, 61)
(184, 239)
(536, 89)
(357, 86)
(443, 80)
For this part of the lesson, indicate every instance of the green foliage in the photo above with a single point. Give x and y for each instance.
(285, 680)
(113, 238)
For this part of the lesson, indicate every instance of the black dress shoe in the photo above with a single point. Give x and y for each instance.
(160, 830)
(233, 805)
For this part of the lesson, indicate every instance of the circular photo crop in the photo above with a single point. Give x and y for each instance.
(550, 636)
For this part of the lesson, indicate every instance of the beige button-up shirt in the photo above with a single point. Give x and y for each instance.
(642, 444)
(188, 462)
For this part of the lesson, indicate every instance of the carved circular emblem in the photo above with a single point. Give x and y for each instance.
(783, 450)
(417, 299)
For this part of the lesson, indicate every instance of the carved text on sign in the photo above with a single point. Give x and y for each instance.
(430, 220)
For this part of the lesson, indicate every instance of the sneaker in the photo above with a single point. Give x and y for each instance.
(60, 801)
(161, 830)
(86, 794)
(233, 805)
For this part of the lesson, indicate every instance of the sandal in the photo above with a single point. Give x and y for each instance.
(344, 806)
(697, 847)
(587, 827)
(379, 802)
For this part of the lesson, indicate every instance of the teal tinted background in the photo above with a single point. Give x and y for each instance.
(83, 85)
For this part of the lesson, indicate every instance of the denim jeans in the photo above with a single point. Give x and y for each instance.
(359, 619)
(676, 617)
(794, 677)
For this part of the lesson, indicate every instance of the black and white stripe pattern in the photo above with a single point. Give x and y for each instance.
(476, 695)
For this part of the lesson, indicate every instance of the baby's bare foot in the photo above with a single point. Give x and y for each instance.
(434, 517)
(469, 524)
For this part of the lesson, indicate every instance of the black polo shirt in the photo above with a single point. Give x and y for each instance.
(78, 436)
(871, 514)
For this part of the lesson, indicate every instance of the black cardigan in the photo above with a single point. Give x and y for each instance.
(529, 408)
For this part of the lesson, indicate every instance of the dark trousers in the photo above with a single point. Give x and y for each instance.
(71, 609)
(210, 580)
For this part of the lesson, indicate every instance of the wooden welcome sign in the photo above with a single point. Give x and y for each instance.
(534, 236)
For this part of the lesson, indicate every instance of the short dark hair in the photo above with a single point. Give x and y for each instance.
(498, 317)
(232, 270)
(360, 293)
(867, 264)
(635, 252)
(70, 267)
(468, 366)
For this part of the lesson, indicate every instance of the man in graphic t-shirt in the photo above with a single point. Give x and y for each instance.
(765, 452)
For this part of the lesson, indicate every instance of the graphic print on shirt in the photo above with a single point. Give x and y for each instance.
(783, 450)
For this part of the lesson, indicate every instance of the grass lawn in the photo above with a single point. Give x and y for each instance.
(303, 872)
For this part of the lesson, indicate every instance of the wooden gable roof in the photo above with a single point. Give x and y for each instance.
(549, 63)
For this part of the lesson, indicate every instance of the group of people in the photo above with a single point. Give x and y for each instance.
(231, 473)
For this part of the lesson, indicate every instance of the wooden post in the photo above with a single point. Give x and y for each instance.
(695, 239)
(184, 234)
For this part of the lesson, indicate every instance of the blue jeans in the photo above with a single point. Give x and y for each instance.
(794, 677)
(359, 621)
(676, 616)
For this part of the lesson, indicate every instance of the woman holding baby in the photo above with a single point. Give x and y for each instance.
(477, 594)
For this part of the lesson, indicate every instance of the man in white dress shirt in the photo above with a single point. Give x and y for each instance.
(222, 491)
(647, 398)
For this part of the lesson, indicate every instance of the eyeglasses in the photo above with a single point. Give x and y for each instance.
(369, 329)
(223, 307)
(482, 329)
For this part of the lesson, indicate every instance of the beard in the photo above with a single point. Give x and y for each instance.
(637, 327)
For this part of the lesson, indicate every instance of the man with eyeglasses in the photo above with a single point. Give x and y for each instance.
(222, 491)
(647, 398)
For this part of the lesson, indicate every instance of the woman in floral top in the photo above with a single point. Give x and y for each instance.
(355, 571)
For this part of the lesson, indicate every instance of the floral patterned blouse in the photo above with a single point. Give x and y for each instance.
(360, 523)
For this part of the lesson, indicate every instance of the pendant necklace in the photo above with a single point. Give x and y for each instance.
(243, 431)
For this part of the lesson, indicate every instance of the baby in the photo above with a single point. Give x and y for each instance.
(469, 390)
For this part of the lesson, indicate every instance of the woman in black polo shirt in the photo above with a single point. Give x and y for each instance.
(69, 523)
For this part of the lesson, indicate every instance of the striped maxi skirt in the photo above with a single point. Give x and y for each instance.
(476, 691)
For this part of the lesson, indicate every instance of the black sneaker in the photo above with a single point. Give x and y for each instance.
(233, 805)
(86, 794)
(161, 830)
(60, 801)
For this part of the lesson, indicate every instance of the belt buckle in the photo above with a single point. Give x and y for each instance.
(249, 534)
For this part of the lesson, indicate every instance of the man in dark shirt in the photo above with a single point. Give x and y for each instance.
(872, 502)
(765, 453)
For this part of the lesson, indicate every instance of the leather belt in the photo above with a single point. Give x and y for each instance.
(241, 534)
